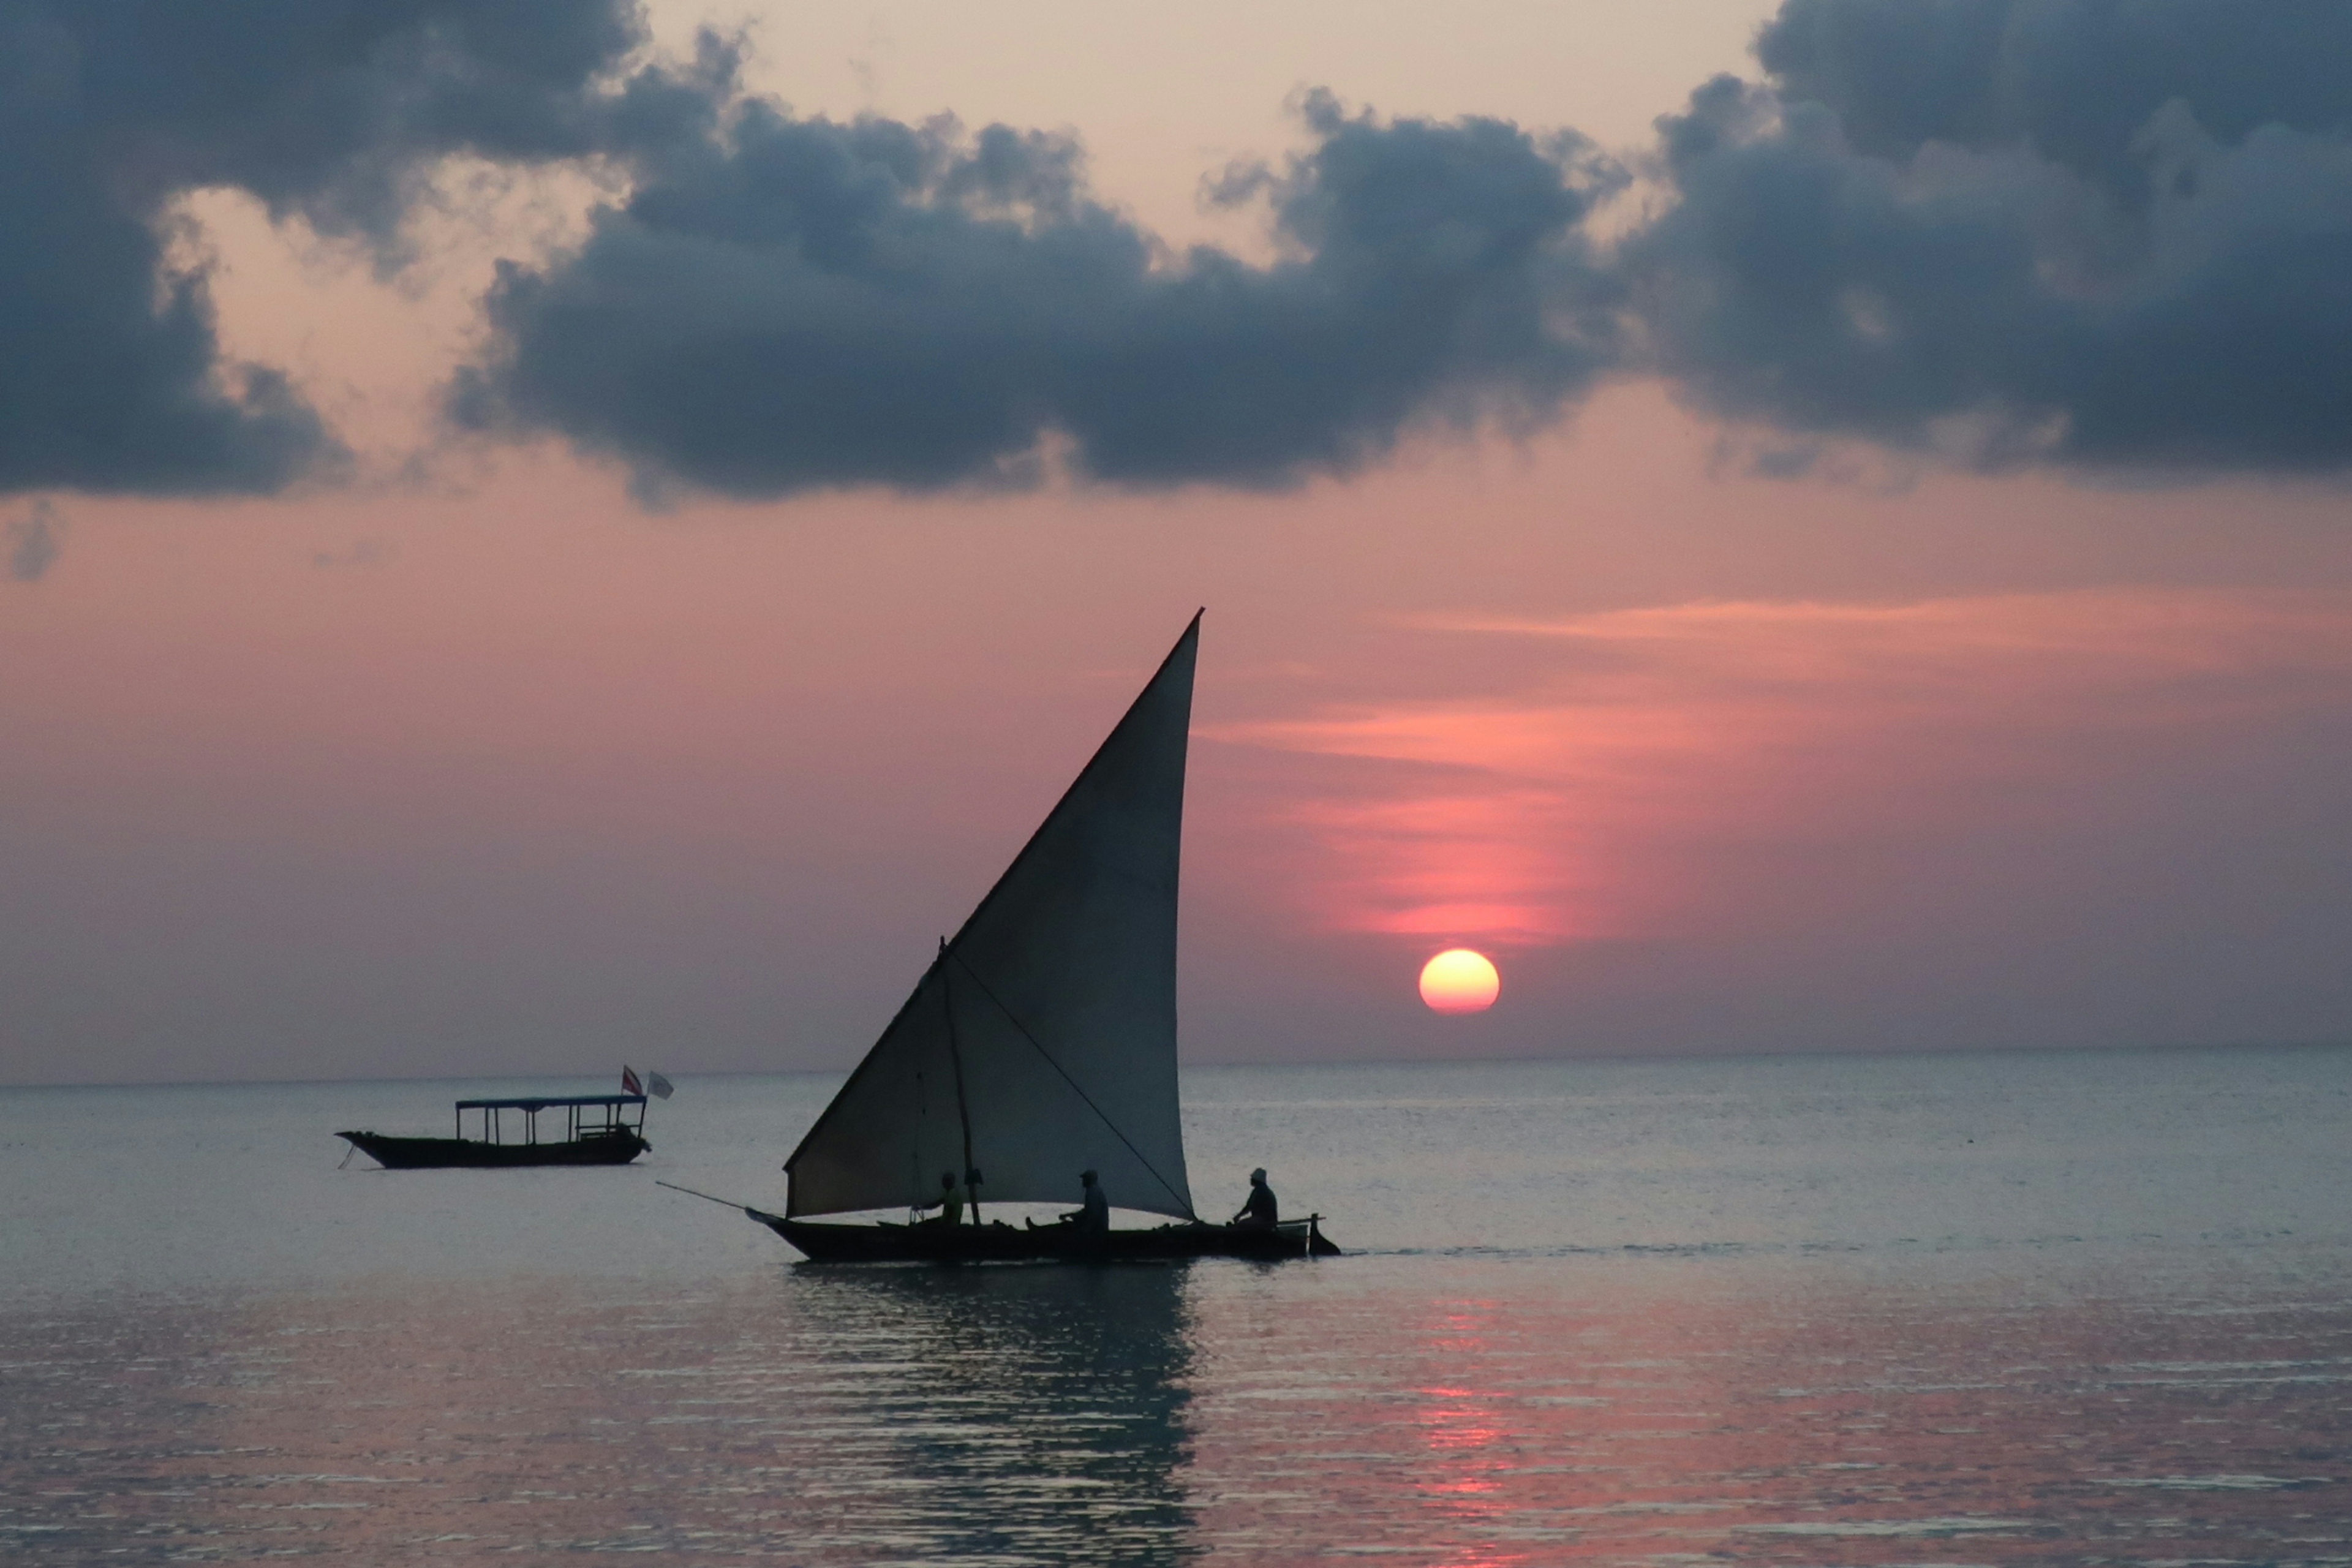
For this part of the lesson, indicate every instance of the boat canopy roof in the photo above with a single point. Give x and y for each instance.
(542, 1103)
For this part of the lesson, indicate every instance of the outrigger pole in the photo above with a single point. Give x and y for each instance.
(760, 1214)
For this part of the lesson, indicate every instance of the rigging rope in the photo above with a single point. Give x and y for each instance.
(1015, 1020)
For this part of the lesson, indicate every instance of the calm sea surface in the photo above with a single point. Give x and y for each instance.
(2063, 1308)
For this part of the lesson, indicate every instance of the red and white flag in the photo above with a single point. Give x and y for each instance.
(629, 1084)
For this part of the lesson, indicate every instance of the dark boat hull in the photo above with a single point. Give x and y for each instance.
(1001, 1243)
(466, 1153)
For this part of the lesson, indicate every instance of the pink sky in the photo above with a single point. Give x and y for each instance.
(547, 779)
(504, 773)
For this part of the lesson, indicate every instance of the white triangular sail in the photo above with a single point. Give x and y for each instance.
(1042, 1039)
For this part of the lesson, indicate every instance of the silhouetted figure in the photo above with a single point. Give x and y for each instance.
(950, 1200)
(1261, 1212)
(1093, 1218)
(972, 1191)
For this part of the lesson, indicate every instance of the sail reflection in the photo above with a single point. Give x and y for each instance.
(1011, 1413)
(1577, 1411)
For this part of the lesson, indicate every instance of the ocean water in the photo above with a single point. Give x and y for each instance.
(1998, 1308)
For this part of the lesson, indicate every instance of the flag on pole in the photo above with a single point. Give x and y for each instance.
(629, 1084)
(658, 1087)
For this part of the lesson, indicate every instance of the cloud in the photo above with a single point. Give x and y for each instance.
(2105, 235)
(111, 377)
(803, 303)
(33, 544)
(2097, 235)
(2076, 80)
(2079, 232)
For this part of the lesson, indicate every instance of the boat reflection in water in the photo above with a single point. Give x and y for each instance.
(1452, 1410)
(213, 1348)
(1031, 1414)
(847, 1416)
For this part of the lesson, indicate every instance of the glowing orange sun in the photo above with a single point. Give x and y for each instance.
(1460, 981)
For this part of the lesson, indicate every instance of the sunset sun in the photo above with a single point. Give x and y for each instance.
(1460, 981)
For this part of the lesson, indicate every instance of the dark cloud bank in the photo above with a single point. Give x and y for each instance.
(2105, 232)
(110, 375)
(811, 303)
(2113, 233)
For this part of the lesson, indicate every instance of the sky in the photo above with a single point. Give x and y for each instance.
(539, 533)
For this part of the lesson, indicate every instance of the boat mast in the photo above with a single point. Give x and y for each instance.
(1072, 954)
(955, 1056)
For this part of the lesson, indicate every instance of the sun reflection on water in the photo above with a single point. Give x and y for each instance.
(1154, 1415)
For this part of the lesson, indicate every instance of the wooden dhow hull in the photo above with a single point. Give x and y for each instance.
(1000, 1242)
(469, 1153)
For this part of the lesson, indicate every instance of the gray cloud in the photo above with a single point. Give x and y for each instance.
(803, 303)
(2075, 80)
(2088, 232)
(2109, 234)
(2103, 234)
(33, 544)
(110, 372)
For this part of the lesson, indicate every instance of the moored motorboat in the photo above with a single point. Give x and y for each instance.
(597, 1131)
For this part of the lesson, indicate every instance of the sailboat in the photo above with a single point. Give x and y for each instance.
(1039, 1045)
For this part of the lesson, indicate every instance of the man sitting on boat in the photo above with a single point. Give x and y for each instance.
(1092, 1218)
(1261, 1213)
(951, 1201)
